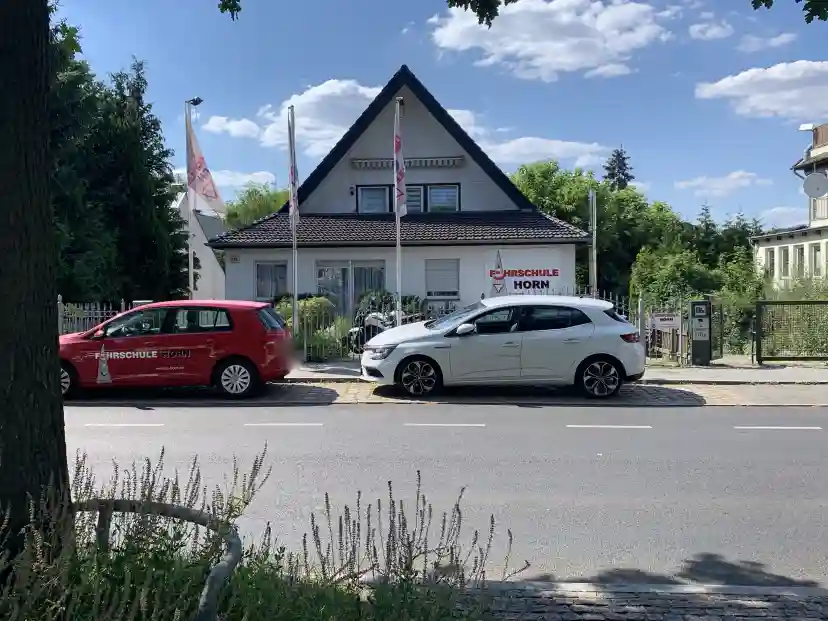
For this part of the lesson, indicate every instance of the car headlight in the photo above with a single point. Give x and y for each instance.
(379, 353)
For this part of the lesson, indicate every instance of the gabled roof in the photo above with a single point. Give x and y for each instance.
(403, 78)
(525, 226)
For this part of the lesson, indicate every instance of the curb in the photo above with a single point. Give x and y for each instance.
(651, 382)
(662, 589)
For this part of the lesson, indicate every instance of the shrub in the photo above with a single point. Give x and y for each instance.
(370, 563)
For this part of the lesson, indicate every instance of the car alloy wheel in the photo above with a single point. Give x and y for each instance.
(419, 377)
(236, 379)
(65, 382)
(601, 379)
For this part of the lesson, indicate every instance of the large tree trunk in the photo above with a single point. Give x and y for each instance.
(32, 439)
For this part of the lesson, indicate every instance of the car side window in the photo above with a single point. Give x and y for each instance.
(497, 321)
(189, 320)
(552, 318)
(147, 322)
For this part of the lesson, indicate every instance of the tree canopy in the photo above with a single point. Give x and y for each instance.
(617, 170)
(254, 202)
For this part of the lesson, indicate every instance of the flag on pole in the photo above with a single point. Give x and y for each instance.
(399, 167)
(294, 198)
(199, 177)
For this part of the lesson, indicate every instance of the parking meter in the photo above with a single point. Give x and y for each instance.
(700, 344)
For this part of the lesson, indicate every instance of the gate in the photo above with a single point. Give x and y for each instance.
(788, 330)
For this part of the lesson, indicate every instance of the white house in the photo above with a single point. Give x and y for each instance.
(203, 227)
(469, 231)
(800, 251)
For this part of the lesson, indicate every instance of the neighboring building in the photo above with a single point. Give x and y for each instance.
(210, 282)
(800, 251)
(464, 217)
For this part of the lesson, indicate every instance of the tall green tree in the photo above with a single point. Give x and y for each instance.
(257, 200)
(617, 170)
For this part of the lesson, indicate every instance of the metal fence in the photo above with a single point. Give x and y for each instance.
(83, 316)
(787, 330)
(664, 328)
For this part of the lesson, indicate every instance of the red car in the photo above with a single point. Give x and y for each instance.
(232, 345)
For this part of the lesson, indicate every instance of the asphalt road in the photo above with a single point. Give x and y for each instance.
(709, 495)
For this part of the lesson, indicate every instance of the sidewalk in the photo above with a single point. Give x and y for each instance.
(729, 371)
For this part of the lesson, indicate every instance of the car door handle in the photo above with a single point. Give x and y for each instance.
(572, 341)
(511, 344)
(442, 347)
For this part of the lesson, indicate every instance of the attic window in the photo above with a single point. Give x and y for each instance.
(372, 199)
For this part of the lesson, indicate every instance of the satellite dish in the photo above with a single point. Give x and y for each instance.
(816, 185)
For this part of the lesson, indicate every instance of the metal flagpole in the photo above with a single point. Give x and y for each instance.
(294, 213)
(188, 110)
(593, 249)
(399, 204)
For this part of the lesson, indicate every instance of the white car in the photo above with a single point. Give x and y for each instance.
(521, 339)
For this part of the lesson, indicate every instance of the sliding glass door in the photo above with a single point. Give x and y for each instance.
(344, 282)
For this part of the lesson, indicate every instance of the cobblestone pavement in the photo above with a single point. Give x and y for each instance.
(538, 602)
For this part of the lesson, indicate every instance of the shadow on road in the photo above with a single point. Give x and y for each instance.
(706, 569)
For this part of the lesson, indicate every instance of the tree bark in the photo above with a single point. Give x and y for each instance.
(32, 438)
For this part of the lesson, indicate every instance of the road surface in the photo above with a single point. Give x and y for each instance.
(711, 495)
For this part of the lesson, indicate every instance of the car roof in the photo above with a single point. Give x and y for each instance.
(237, 304)
(525, 300)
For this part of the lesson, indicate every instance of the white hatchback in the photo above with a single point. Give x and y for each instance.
(522, 339)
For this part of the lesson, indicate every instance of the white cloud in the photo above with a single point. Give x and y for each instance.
(722, 186)
(797, 91)
(642, 186)
(235, 179)
(752, 43)
(238, 128)
(539, 39)
(330, 108)
(612, 70)
(710, 30)
(783, 217)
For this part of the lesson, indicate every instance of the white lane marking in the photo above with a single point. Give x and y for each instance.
(609, 426)
(124, 425)
(445, 424)
(283, 424)
(776, 428)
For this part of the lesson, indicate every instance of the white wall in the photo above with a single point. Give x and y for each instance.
(210, 285)
(423, 136)
(475, 263)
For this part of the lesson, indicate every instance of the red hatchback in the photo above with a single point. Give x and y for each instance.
(232, 345)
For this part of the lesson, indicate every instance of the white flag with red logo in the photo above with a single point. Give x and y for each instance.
(294, 197)
(399, 167)
(199, 177)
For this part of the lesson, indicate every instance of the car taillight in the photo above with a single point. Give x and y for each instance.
(631, 338)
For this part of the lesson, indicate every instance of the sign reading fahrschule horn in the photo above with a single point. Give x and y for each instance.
(522, 278)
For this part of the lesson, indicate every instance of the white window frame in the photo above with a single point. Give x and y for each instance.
(437, 186)
(815, 258)
(384, 188)
(256, 279)
(420, 208)
(799, 262)
(784, 262)
(450, 269)
(770, 261)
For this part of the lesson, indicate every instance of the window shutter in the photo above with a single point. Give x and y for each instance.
(442, 278)
(414, 198)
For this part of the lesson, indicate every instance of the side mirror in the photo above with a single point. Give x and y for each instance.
(99, 334)
(465, 329)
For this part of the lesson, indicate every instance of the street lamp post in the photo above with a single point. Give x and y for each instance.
(188, 112)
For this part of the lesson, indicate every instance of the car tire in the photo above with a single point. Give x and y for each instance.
(237, 378)
(68, 380)
(600, 377)
(419, 376)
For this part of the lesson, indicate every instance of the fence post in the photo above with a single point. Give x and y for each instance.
(757, 332)
(60, 313)
(642, 334)
(123, 305)
(682, 335)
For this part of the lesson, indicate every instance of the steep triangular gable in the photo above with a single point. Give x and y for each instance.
(404, 77)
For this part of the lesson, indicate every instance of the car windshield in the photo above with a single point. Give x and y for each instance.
(454, 318)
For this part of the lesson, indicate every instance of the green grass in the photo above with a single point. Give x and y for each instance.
(373, 561)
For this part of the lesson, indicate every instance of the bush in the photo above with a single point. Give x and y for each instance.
(370, 563)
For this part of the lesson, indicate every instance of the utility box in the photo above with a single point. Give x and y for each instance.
(701, 350)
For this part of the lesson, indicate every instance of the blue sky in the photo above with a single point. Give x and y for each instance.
(705, 97)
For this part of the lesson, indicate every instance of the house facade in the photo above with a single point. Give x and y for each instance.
(210, 284)
(468, 233)
(800, 251)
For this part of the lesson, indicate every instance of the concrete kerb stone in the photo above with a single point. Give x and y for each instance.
(575, 588)
(652, 382)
